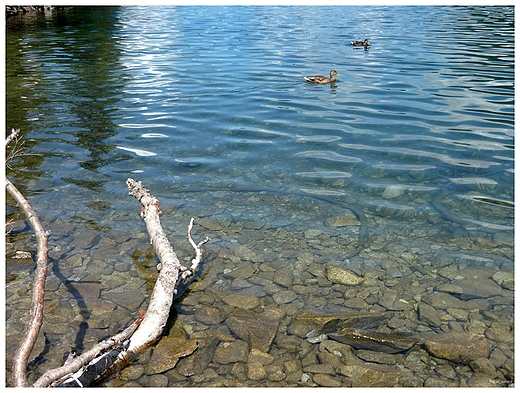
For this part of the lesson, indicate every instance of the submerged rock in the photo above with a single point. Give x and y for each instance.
(209, 315)
(258, 356)
(450, 288)
(283, 297)
(256, 371)
(459, 347)
(392, 192)
(473, 288)
(391, 300)
(168, 352)
(126, 299)
(231, 352)
(502, 332)
(376, 357)
(505, 280)
(483, 366)
(346, 219)
(308, 321)
(443, 301)
(242, 300)
(376, 375)
(429, 315)
(326, 380)
(243, 272)
(256, 329)
(341, 276)
(196, 363)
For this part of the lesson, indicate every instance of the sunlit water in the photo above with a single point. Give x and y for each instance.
(209, 108)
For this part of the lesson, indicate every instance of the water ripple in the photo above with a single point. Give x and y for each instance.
(216, 94)
(328, 155)
(423, 109)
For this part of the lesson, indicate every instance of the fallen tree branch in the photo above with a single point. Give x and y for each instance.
(15, 150)
(14, 134)
(150, 328)
(169, 269)
(38, 287)
(195, 261)
(72, 366)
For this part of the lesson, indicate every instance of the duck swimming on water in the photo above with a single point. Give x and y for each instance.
(364, 43)
(322, 80)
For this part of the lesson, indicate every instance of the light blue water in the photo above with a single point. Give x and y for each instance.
(222, 88)
(416, 135)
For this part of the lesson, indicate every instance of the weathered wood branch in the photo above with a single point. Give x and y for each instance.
(38, 287)
(171, 272)
(171, 275)
(84, 359)
(195, 261)
(14, 134)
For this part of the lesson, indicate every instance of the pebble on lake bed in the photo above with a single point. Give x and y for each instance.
(341, 276)
(460, 347)
(505, 280)
(392, 192)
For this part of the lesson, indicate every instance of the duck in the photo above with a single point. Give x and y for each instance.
(322, 80)
(364, 43)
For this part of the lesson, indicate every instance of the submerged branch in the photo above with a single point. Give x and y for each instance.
(78, 362)
(169, 269)
(38, 288)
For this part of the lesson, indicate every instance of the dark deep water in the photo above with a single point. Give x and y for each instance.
(208, 106)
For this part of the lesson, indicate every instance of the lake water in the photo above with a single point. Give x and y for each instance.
(401, 172)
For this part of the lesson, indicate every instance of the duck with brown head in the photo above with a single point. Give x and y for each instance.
(322, 80)
(365, 43)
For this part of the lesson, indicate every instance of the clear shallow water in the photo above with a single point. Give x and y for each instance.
(208, 106)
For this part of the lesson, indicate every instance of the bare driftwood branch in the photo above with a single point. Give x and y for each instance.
(15, 150)
(171, 272)
(171, 275)
(36, 314)
(195, 261)
(75, 364)
(14, 134)
(38, 287)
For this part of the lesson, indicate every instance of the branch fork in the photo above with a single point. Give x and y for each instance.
(171, 273)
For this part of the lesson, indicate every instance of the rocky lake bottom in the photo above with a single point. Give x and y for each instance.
(276, 303)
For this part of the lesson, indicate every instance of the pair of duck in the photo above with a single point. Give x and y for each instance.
(322, 80)
(365, 43)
